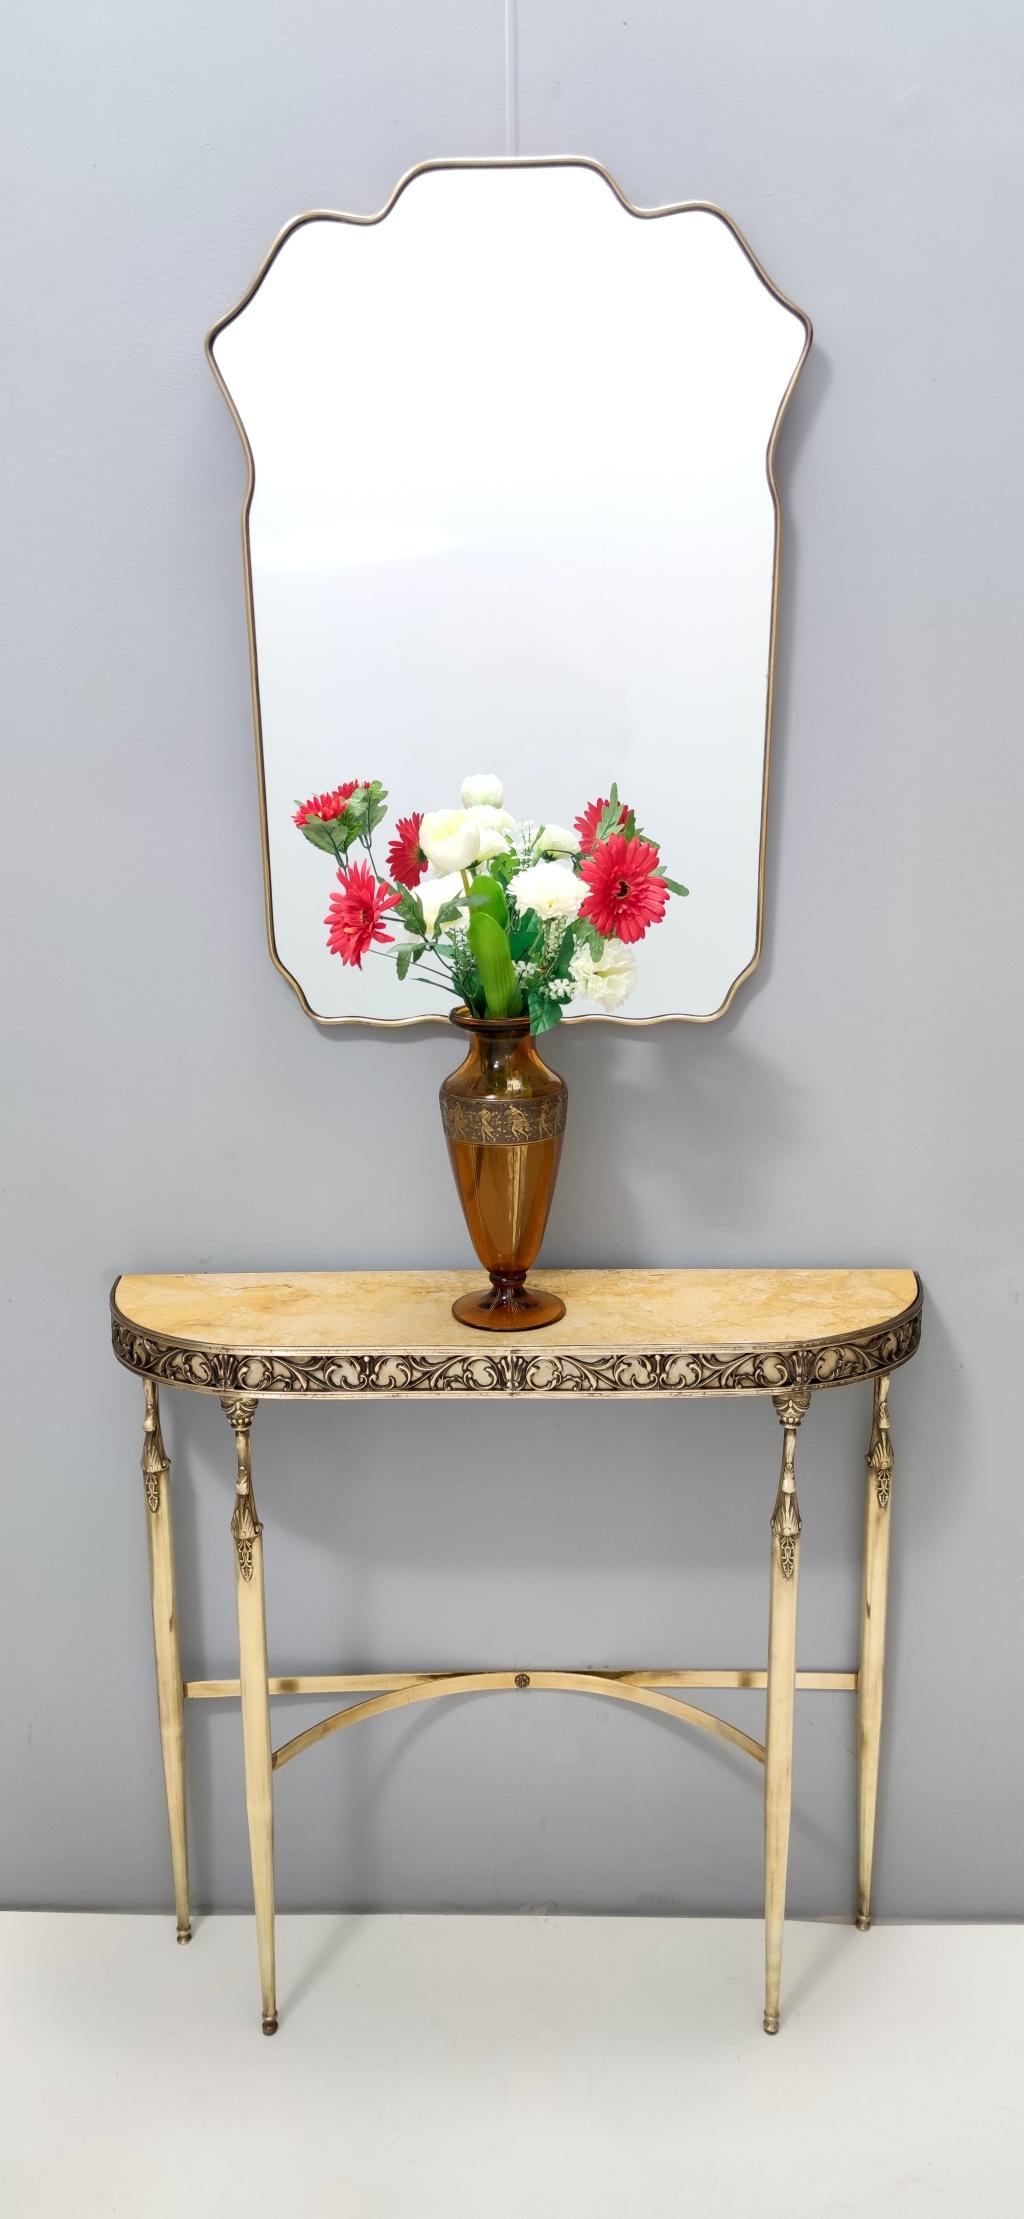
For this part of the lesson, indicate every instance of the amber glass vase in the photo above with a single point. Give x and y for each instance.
(503, 1113)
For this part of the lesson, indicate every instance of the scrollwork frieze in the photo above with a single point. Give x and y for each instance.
(561, 1373)
(526, 1370)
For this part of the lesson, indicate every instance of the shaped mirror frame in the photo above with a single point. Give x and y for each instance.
(511, 506)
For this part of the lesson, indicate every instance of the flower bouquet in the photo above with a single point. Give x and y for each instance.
(509, 917)
(514, 919)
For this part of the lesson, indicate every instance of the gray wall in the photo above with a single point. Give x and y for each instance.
(171, 1107)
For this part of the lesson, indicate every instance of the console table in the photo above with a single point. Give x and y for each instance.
(381, 1336)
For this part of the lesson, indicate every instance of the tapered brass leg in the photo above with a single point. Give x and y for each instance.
(247, 1533)
(778, 1773)
(872, 1640)
(156, 1473)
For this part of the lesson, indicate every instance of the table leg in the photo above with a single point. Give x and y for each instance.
(156, 1473)
(872, 1639)
(778, 1772)
(247, 1533)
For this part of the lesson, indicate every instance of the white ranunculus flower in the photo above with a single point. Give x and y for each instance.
(556, 839)
(483, 790)
(434, 892)
(450, 839)
(494, 826)
(608, 979)
(549, 889)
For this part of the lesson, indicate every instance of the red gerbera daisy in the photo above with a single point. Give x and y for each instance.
(354, 918)
(327, 806)
(625, 894)
(587, 824)
(406, 862)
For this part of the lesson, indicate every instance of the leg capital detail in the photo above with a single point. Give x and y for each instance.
(793, 1405)
(240, 1410)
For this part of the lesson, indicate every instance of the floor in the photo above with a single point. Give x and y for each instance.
(477, 2068)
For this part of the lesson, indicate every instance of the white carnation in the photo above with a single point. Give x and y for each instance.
(434, 892)
(556, 839)
(494, 826)
(549, 889)
(450, 839)
(607, 979)
(483, 790)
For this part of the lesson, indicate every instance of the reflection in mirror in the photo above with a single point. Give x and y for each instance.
(512, 511)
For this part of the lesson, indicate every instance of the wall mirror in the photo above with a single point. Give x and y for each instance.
(511, 507)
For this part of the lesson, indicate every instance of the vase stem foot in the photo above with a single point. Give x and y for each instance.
(507, 1306)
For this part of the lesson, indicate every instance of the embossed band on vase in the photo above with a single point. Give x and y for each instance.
(503, 1124)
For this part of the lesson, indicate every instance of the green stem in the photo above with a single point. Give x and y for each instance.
(365, 841)
(436, 976)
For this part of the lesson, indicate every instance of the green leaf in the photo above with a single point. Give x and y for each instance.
(488, 897)
(448, 912)
(404, 958)
(673, 885)
(524, 936)
(608, 820)
(469, 987)
(315, 831)
(410, 912)
(591, 938)
(497, 977)
(503, 867)
(544, 1010)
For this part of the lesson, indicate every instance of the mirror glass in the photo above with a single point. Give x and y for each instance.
(512, 511)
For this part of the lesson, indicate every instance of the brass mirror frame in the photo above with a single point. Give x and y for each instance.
(671, 208)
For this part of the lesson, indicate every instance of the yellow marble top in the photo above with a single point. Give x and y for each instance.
(622, 1310)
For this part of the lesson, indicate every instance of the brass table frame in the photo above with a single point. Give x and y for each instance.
(239, 1365)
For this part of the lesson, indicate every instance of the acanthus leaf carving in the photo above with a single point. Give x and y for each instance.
(246, 1529)
(155, 1460)
(880, 1459)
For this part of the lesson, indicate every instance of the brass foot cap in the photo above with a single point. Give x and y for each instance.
(771, 2026)
(863, 1923)
(270, 2025)
(184, 1933)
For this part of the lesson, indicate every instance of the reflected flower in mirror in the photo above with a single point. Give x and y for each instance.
(510, 918)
